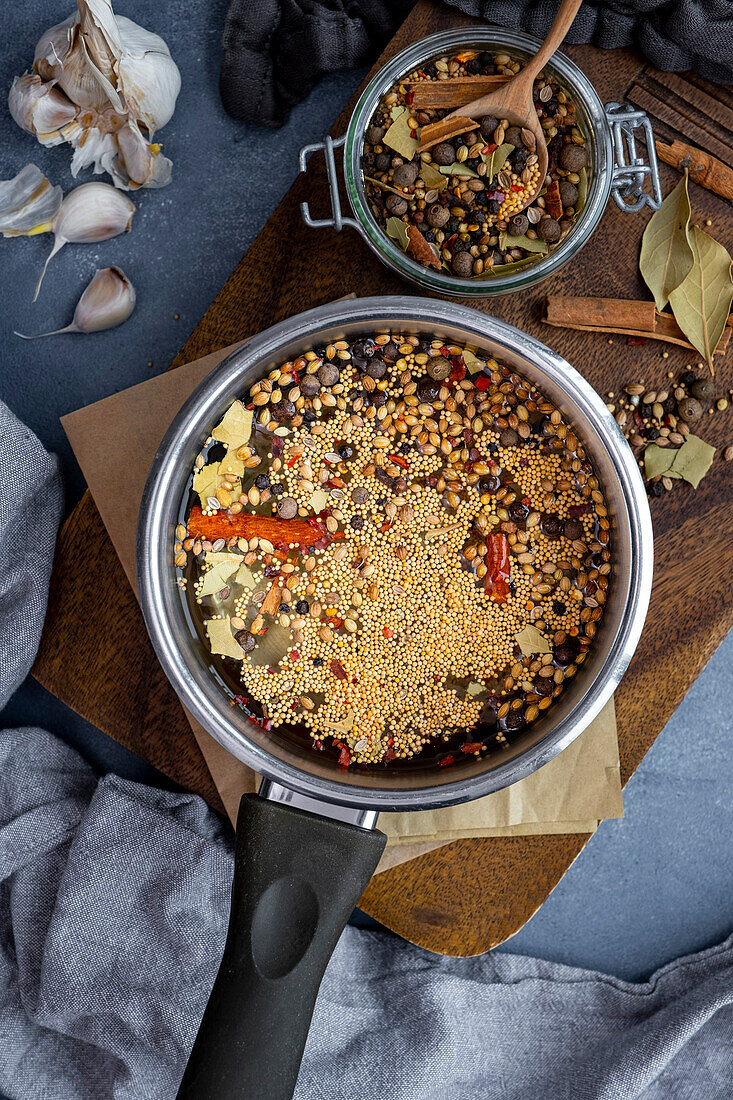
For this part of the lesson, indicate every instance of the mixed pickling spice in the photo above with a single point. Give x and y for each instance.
(397, 547)
(457, 205)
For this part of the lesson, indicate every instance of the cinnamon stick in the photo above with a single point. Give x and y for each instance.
(444, 130)
(454, 92)
(421, 249)
(623, 317)
(705, 170)
(611, 313)
(220, 525)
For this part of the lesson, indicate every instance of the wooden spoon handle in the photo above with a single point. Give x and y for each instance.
(561, 25)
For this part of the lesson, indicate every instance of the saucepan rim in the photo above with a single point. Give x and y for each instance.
(159, 596)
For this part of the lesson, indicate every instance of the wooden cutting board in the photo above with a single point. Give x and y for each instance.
(470, 895)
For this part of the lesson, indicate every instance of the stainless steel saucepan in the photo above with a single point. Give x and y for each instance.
(306, 844)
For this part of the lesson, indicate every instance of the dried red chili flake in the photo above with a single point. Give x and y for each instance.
(576, 510)
(399, 460)
(385, 527)
(409, 96)
(482, 383)
(474, 454)
(294, 655)
(336, 483)
(446, 761)
(471, 746)
(291, 462)
(517, 187)
(388, 632)
(497, 196)
(266, 724)
(458, 372)
(445, 351)
(277, 445)
(242, 700)
(636, 341)
(335, 622)
(344, 757)
(389, 754)
(498, 570)
(490, 148)
(337, 669)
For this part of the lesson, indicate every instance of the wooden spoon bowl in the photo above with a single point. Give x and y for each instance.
(512, 101)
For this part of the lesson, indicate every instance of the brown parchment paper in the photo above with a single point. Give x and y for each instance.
(114, 441)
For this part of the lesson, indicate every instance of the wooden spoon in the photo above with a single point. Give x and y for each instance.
(512, 101)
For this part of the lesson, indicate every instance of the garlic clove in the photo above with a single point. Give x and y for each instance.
(91, 212)
(28, 203)
(107, 302)
(41, 109)
(103, 64)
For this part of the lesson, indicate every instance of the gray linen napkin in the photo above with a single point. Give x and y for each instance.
(31, 499)
(113, 905)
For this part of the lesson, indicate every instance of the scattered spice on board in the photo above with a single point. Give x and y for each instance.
(394, 547)
(451, 191)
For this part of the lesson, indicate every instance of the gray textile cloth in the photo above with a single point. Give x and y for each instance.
(31, 499)
(113, 907)
(113, 902)
(275, 51)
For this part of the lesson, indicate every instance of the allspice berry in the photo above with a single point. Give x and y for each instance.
(405, 175)
(488, 125)
(690, 409)
(518, 225)
(703, 389)
(548, 229)
(572, 157)
(437, 215)
(396, 205)
(328, 375)
(375, 134)
(462, 264)
(568, 193)
(444, 153)
(438, 368)
(514, 136)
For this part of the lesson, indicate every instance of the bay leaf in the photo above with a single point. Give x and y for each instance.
(473, 364)
(399, 137)
(221, 640)
(507, 269)
(657, 460)
(397, 230)
(387, 187)
(246, 577)
(666, 255)
(531, 641)
(701, 303)
(495, 161)
(525, 242)
(319, 499)
(582, 190)
(396, 111)
(231, 466)
(457, 168)
(432, 177)
(693, 460)
(206, 481)
(475, 689)
(344, 726)
(218, 576)
(236, 426)
(272, 646)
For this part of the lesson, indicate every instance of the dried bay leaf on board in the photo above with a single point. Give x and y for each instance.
(235, 427)
(657, 460)
(666, 253)
(692, 461)
(399, 136)
(396, 229)
(531, 641)
(701, 303)
(221, 640)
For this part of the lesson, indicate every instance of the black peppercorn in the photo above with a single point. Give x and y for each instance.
(302, 607)
(262, 481)
(346, 451)
(357, 522)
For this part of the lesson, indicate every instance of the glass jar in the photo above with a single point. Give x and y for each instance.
(616, 168)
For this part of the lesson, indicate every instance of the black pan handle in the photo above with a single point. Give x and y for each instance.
(297, 878)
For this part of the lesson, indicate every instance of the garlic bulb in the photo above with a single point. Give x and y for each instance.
(28, 203)
(105, 85)
(107, 301)
(91, 212)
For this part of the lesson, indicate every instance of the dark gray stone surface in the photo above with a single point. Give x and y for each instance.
(648, 888)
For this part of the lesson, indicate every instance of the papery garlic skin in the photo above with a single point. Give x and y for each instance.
(41, 109)
(28, 203)
(107, 302)
(91, 212)
(122, 83)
